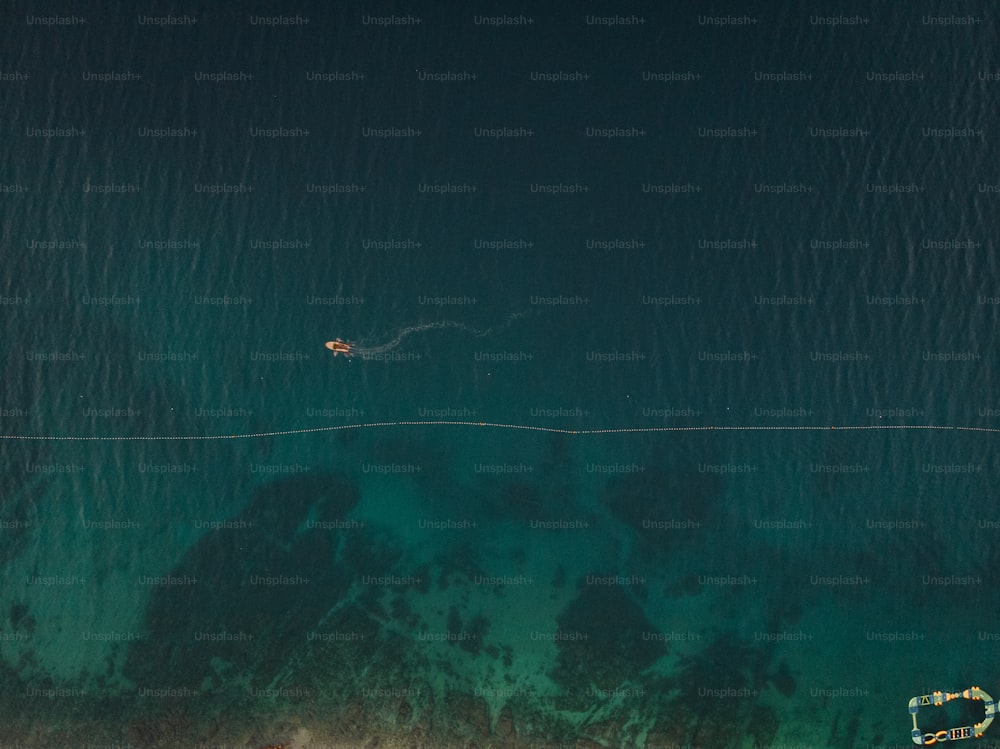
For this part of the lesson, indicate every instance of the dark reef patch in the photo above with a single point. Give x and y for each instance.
(602, 643)
(248, 595)
(469, 637)
(727, 663)
(783, 680)
(681, 493)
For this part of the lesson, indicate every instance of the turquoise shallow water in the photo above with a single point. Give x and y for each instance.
(216, 533)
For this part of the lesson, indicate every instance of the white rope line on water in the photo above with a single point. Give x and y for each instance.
(495, 425)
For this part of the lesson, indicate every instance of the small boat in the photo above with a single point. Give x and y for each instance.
(339, 347)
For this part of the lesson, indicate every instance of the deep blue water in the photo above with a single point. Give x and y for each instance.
(548, 224)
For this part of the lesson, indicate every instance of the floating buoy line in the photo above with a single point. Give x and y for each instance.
(495, 425)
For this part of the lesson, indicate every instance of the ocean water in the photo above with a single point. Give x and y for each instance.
(671, 416)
